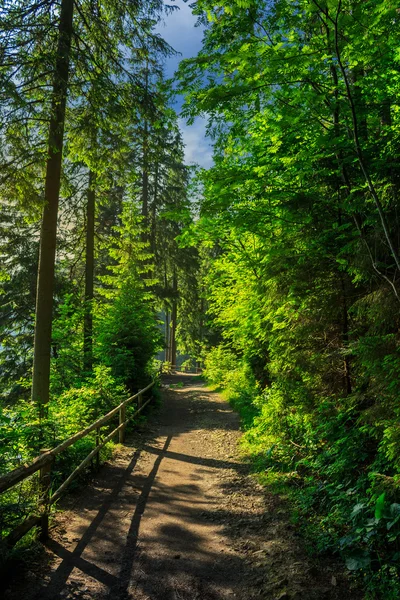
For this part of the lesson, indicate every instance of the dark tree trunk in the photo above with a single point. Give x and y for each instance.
(153, 232)
(357, 75)
(48, 234)
(167, 348)
(89, 277)
(145, 177)
(145, 171)
(174, 315)
(345, 338)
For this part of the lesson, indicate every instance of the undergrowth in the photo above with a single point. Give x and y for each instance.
(332, 465)
(23, 435)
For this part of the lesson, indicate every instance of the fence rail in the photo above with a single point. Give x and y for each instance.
(45, 460)
(169, 369)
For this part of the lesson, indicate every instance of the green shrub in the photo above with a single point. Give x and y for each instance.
(23, 435)
(223, 369)
(336, 464)
(128, 336)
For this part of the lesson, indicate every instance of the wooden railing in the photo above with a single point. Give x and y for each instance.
(170, 369)
(45, 460)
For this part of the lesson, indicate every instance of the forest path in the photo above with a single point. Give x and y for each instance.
(176, 516)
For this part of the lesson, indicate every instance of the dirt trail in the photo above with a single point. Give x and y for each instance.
(177, 517)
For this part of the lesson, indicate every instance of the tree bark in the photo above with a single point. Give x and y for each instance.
(153, 232)
(145, 178)
(174, 315)
(145, 171)
(48, 234)
(386, 117)
(89, 277)
(167, 352)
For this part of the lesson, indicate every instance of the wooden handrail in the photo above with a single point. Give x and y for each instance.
(78, 469)
(10, 479)
(43, 463)
(170, 368)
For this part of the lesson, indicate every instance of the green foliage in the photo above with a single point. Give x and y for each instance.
(67, 341)
(298, 233)
(224, 370)
(127, 335)
(78, 407)
(23, 435)
(122, 171)
(126, 331)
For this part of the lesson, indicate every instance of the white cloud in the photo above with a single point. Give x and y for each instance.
(197, 148)
(180, 31)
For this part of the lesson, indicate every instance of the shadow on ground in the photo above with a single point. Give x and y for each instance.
(177, 518)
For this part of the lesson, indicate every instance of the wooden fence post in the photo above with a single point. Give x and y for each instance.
(122, 419)
(44, 484)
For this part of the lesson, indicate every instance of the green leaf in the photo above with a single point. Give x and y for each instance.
(379, 506)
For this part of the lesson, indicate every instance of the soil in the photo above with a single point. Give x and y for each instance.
(176, 515)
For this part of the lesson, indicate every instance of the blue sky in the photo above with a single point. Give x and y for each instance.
(180, 32)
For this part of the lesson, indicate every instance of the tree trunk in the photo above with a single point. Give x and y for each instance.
(167, 352)
(174, 315)
(89, 278)
(386, 117)
(48, 234)
(153, 232)
(356, 75)
(145, 178)
(345, 333)
(145, 171)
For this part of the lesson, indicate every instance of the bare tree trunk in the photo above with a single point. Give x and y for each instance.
(145, 170)
(345, 336)
(167, 352)
(48, 234)
(153, 231)
(145, 177)
(174, 315)
(89, 277)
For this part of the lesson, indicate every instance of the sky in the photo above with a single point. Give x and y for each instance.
(180, 32)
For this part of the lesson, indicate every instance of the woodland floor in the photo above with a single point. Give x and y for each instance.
(176, 515)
